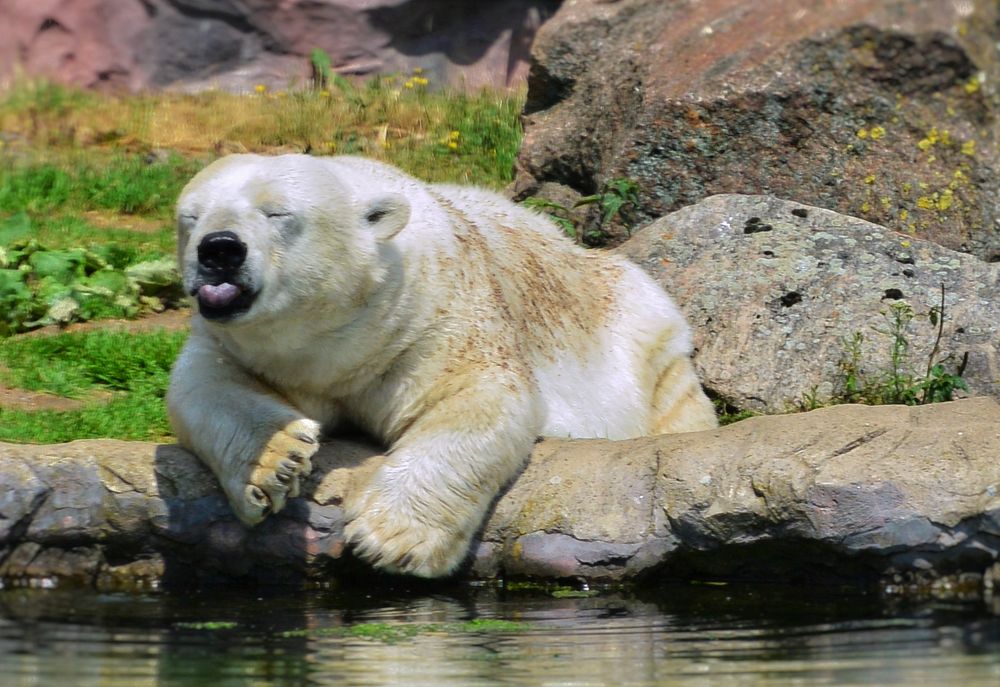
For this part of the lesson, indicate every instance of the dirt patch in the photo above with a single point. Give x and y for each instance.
(136, 223)
(20, 399)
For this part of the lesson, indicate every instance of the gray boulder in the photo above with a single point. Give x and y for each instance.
(775, 291)
(845, 492)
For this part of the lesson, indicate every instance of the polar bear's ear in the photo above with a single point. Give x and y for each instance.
(386, 215)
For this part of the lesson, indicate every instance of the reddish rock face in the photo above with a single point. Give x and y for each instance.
(193, 44)
(85, 42)
(883, 110)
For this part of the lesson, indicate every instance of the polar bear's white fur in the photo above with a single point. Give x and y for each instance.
(450, 323)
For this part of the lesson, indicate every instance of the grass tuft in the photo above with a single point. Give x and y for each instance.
(134, 366)
(124, 184)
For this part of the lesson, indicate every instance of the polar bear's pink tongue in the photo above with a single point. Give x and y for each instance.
(218, 295)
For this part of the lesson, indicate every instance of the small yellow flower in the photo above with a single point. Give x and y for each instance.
(408, 84)
(325, 94)
(453, 145)
(877, 132)
(420, 81)
(862, 133)
(972, 85)
(903, 215)
(260, 88)
(870, 179)
(969, 148)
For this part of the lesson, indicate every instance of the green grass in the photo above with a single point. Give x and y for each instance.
(120, 247)
(488, 138)
(123, 183)
(96, 148)
(135, 367)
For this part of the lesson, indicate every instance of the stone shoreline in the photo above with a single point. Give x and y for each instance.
(849, 493)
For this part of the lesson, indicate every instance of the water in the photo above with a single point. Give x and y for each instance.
(676, 635)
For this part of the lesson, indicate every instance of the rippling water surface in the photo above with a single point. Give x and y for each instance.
(677, 635)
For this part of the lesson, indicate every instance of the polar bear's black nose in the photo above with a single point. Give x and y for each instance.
(221, 250)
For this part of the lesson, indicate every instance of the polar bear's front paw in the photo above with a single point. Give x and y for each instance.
(275, 474)
(398, 542)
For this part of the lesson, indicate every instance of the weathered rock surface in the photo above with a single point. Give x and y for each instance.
(195, 44)
(839, 492)
(882, 109)
(774, 289)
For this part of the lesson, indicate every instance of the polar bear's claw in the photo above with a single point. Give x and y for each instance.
(256, 505)
(276, 474)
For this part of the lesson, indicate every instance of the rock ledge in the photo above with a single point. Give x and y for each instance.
(844, 492)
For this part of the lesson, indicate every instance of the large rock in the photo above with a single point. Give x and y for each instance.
(841, 492)
(775, 291)
(882, 109)
(195, 44)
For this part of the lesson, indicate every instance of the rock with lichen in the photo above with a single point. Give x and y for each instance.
(883, 110)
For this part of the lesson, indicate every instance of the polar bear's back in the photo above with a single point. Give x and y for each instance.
(599, 330)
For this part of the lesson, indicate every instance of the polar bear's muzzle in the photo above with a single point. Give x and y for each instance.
(219, 287)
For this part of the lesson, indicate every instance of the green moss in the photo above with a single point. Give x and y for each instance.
(207, 625)
(575, 593)
(392, 633)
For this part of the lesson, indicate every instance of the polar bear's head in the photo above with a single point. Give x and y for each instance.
(260, 236)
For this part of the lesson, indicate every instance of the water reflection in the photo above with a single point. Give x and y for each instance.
(684, 635)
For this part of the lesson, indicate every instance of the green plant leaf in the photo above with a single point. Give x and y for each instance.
(61, 265)
(14, 228)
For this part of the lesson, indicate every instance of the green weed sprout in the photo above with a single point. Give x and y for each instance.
(899, 385)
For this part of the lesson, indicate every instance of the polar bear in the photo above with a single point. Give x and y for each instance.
(449, 323)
